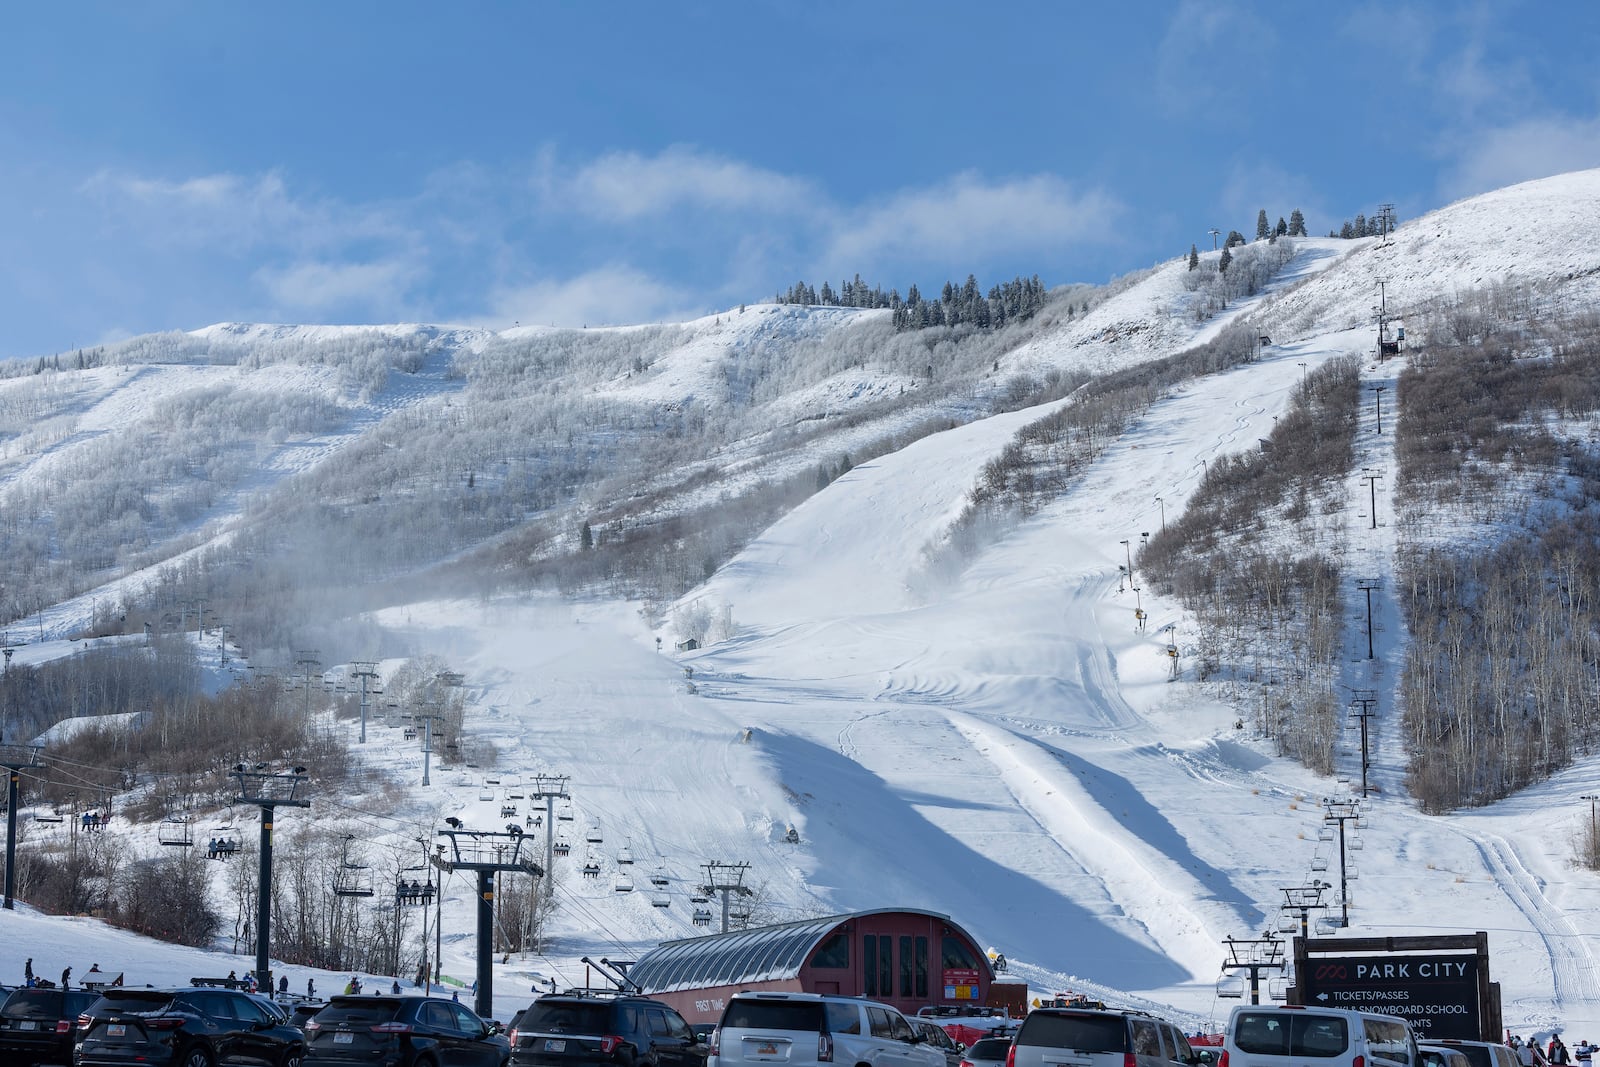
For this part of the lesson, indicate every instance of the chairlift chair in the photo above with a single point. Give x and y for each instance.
(1230, 987)
(702, 916)
(660, 900)
(1327, 924)
(564, 812)
(701, 895)
(486, 793)
(561, 847)
(1288, 924)
(351, 879)
(1350, 872)
(53, 816)
(1325, 833)
(508, 811)
(591, 869)
(1319, 863)
(1278, 988)
(1354, 843)
(594, 836)
(222, 842)
(174, 830)
(659, 877)
(624, 856)
(623, 884)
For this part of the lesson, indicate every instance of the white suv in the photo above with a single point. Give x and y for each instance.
(809, 1029)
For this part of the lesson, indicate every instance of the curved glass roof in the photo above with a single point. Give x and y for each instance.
(758, 955)
(763, 954)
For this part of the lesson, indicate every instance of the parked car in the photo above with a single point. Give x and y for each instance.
(41, 1025)
(806, 1029)
(1099, 1037)
(987, 1052)
(577, 1030)
(1481, 1053)
(1430, 1055)
(937, 1037)
(191, 1027)
(303, 1013)
(403, 1031)
(1262, 1036)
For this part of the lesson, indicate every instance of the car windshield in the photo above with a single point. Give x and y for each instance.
(567, 1017)
(1085, 1033)
(361, 1011)
(32, 1004)
(989, 1048)
(133, 1000)
(774, 1015)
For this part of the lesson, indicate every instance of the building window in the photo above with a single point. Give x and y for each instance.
(833, 953)
(869, 965)
(877, 965)
(905, 967)
(922, 967)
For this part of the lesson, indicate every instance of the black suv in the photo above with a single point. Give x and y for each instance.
(572, 1030)
(40, 1025)
(184, 1028)
(404, 1031)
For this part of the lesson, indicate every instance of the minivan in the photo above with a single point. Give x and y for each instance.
(1287, 1036)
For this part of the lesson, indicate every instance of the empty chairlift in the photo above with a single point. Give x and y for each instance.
(352, 879)
(623, 884)
(594, 836)
(660, 900)
(175, 830)
(564, 812)
(624, 856)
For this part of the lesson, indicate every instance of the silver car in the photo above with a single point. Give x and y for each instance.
(1099, 1037)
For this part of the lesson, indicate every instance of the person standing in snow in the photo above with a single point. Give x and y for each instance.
(1584, 1052)
(66, 978)
(27, 972)
(1558, 1053)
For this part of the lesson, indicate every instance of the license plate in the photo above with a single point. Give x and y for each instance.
(763, 1050)
(555, 1046)
(27, 1025)
(343, 1037)
(117, 1030)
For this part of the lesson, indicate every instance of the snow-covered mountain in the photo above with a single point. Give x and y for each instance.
(1006, 746)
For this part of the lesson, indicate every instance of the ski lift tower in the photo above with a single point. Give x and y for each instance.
(268, 790)
(484, 853)
(427, 719)
(13, 758)
(1255, 954)
(549, 788)
(727, 879)
(364, 670)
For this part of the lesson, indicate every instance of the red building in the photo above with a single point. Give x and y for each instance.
(907, 958)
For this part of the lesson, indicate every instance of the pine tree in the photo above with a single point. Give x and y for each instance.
(1347, 231)
(586, 537)
(1234, 238)
(1361, 227)
(1262, 229)
(1282, 229)
(1224, 259)
(1297, 224)
(1194, 258)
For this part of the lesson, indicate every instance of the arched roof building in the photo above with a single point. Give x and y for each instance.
(904, 957)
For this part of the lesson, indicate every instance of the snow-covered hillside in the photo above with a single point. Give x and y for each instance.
(1006, 746)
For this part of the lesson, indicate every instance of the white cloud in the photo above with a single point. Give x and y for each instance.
(626, 186)
(317, 286)
(970, 218)
(611, 295)
(1536, 148)
(217, 210)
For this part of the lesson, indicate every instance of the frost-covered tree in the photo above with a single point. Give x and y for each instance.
(1194, 258)
(1297, 224)
(1262, 226)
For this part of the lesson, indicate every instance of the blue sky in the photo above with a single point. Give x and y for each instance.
(167, 165)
